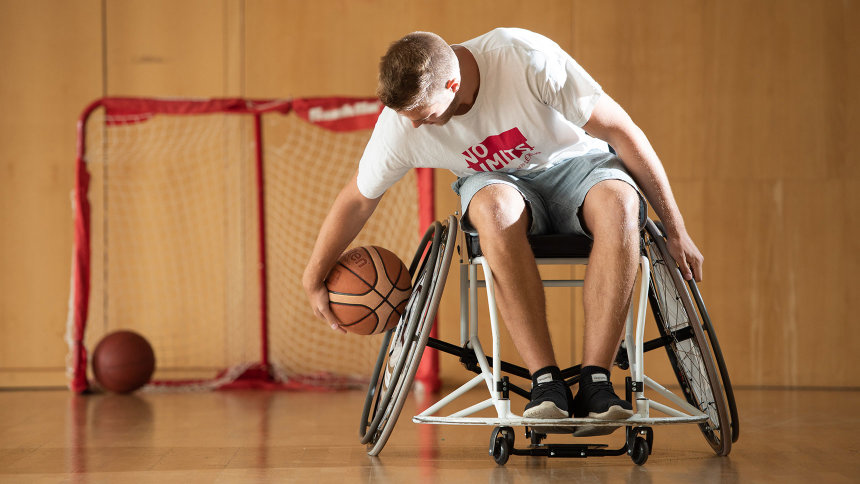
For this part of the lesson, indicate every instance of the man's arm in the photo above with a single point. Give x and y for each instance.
(612, 124)
(344, 221)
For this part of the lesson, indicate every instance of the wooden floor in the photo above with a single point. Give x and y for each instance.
(256, 436)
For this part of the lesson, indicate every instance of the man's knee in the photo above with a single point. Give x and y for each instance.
(497, 207)
(613, 207)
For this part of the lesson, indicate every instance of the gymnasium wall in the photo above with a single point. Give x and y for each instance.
(751, 105)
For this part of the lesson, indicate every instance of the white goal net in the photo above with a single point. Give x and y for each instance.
(189, 235)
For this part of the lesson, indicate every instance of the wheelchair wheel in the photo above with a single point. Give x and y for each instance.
(686, 345)
(403, 345)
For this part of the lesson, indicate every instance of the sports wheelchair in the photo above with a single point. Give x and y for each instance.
(685, 333)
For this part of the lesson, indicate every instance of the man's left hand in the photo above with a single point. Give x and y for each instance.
(687, 255)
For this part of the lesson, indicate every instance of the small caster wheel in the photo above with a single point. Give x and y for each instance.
(640, 451)
(501, 450)
(501, 444)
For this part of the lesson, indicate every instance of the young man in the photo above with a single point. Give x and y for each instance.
(525, 129)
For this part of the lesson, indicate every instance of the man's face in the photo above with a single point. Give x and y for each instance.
(437, 112)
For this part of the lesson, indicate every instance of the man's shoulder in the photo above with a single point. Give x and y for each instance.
(390, 121)
(510, 37)
(392, 132)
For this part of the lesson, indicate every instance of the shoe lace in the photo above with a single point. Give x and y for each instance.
(543, 389)
(603, 388)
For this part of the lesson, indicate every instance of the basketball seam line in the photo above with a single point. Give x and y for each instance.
(393, 287)
(372, 311)
(372, 289)
(371, 286)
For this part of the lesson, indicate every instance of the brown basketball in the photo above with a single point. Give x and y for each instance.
(123, 361)
(368, 289)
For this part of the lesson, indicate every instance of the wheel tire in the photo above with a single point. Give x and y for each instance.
(718, 358)
(502, 450)
(640, 451)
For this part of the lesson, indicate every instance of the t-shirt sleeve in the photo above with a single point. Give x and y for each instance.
(562, 84)
(381, 165)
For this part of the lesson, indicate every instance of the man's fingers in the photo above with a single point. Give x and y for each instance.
(692, 267)
(685, 270)
(688, 257)
(322, 310)
(697, 270)
(333, 320)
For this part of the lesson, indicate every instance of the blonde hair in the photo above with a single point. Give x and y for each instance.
(415, 69)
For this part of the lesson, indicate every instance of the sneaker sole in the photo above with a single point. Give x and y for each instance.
(545, 410)
(548, 410)
(615, 412)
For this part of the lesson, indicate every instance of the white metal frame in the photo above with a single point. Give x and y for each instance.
(491, 375)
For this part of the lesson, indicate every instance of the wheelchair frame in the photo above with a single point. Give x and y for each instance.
(661, 287)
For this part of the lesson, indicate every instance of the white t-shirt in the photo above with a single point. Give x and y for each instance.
(532, 103)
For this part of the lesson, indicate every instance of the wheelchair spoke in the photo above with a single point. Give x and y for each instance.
(688, 356)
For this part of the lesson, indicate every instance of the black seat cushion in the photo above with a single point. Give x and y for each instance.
(543, 246)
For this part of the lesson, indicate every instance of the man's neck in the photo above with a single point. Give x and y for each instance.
(470, 80)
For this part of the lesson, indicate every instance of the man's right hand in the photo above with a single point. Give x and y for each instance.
(347, 216)
(318, 297)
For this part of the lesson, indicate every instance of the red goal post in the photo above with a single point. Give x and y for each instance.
(192, 223)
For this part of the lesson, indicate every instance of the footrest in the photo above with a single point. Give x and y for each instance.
(537, 423)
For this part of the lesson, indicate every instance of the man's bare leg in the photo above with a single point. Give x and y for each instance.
(499, 213)
(611, 212)
(501, 217)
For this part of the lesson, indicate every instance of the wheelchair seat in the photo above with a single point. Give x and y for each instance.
(544, 246)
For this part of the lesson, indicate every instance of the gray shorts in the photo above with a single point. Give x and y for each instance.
(554, 196)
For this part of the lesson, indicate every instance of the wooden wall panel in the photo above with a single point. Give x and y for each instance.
(778, 159)
(50, 53)
(298, 48)
(649, 59)
(747, 105)
(172, 48)
(775, 86)
(847, 55)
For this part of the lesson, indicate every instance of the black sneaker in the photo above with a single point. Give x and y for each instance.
(549, 400)
(597, 399)
(550, 395)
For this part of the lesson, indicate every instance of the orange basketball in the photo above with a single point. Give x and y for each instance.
(368, 289)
